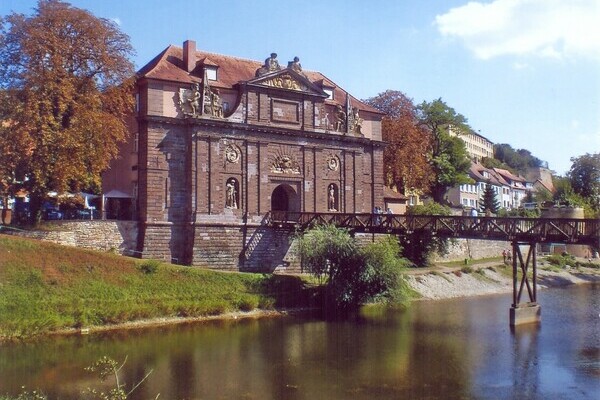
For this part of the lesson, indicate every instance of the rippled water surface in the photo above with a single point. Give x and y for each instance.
(455, 349)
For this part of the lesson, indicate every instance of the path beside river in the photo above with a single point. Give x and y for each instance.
(443, 282)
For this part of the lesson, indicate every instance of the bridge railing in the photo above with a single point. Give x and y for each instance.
(563, 230)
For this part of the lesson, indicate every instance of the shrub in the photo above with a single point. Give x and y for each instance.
(418, 247)
(352, 276)
(149, 266)
(466, 269)
(561, 260)
(248, 303)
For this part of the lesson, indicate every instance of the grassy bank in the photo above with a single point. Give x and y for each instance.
(45, 287)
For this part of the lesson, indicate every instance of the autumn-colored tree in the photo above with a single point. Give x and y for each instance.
(448, 156)
(67, 79)
(405, 156)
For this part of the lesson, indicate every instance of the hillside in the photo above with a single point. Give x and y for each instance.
(46, 287)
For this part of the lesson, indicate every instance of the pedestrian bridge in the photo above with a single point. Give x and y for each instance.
(527, 230)
(523, 233)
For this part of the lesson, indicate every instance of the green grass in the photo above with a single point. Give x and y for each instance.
(471, 261)
(46, 287)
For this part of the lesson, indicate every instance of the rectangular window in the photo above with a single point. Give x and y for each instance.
(329, 92)
(167, 189)
(211, 73)
(137, 102)
(136, 139)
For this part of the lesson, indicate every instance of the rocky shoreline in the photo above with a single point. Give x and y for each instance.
(445, 283)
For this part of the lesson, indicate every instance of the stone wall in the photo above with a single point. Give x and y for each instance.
(461, 249)
(120, 236)
(250, 248)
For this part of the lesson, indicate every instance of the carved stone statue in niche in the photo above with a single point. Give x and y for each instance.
(331, 198)
(271, 65)
(340, 119)
(231, 194)
(285, 164)
(189, 100)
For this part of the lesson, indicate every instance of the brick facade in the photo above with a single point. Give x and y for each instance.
(206, 178)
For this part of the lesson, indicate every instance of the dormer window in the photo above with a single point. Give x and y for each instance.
(211, 73)
(329, 92)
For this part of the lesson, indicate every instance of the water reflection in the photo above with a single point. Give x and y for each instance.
(454, 349)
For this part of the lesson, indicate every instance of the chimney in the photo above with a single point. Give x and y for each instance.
(189, 55)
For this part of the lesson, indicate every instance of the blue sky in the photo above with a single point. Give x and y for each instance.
(523, 72)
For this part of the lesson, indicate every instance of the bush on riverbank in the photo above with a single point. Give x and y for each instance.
(46, 287)
(353, 275)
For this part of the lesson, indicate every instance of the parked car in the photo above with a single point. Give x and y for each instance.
(52, 214)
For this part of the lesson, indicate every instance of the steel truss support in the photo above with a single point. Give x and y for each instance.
(529, 311)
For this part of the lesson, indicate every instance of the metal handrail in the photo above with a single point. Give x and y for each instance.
(539, 230)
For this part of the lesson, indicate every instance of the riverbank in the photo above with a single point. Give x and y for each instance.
(48, 289)
(491, 277)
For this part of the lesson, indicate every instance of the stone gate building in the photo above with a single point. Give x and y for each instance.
(217, 142)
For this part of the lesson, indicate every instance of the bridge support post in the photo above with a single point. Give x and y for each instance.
(529, 311)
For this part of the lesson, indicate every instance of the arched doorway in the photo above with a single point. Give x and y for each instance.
(284, 198)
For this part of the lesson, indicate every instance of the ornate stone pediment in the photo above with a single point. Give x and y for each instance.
(285, 164)
(288, 79)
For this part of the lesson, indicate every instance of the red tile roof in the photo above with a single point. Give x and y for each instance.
(168, 65)
(390, 194)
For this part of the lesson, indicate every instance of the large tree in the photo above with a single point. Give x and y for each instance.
(405, 156)
(448, 155)
(67, 79)
(584, 177)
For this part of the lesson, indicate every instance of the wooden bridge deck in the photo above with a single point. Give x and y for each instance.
(526, 230)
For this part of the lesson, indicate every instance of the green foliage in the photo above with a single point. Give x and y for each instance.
(518, 160)
(325, 249)
(149, 266)
(561, 260)
(106, 368)
(467, 269)
(47, 287)
(565, 195)
(519, 212)
(489, 203)
(418, 247)
(383, 259)
(584, 177)
(448, 155)
(490, 162)
(354, 276)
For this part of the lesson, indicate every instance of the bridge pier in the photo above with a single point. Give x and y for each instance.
(530, 311)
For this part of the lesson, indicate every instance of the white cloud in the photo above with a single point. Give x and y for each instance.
(521, 65)
(116, 20)
(543, 28)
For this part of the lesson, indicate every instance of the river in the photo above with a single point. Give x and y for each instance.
(447, 349)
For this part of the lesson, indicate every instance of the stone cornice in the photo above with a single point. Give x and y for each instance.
(320, 135)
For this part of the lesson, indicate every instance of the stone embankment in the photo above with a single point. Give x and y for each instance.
(491, 278)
